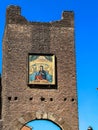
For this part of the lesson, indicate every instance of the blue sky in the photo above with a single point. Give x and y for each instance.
(86, 42)
(38, 125)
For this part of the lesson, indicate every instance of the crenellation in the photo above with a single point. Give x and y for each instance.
(13, 16)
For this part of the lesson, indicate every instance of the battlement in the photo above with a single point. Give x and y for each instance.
(14, 17)
(16, 10)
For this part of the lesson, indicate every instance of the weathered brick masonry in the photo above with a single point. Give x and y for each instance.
(20, 103)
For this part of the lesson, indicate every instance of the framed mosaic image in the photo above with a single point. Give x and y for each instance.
(41, 69)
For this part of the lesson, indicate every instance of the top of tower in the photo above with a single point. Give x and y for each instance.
(14, 16)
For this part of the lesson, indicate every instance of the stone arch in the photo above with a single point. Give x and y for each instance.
(19, 123)
(29, 127)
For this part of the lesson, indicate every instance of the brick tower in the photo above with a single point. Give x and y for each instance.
(26, 46)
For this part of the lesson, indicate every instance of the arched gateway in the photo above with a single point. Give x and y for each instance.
(39, 76)
(40, 124)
